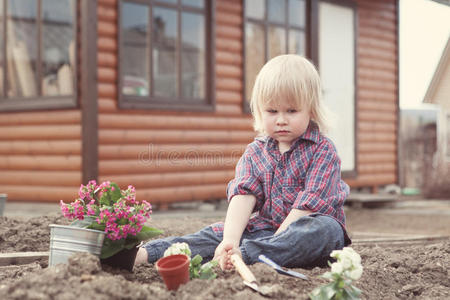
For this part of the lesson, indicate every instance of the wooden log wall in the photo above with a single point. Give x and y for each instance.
(40, 155)
(173, 156)
(377, 97)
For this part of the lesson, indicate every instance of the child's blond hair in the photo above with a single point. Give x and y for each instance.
(288, 78)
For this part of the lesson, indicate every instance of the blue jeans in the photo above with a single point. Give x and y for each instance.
(307, 242)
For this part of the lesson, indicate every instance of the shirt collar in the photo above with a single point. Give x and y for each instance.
(312, 133)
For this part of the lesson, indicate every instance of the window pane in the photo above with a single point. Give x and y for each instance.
(297, 42)
(276, 10)
(254, 55)
(195, 3)
(136, 50)
(277, 41)
(22, 48)
(255, 8)
(164, 52)
(58, 47)
(193, 55)
(297, 12)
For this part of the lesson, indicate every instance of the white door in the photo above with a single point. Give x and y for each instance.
(337, 69)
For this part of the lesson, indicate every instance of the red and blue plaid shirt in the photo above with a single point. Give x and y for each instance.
(306, 177)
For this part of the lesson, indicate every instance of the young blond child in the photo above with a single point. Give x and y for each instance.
(286, 200)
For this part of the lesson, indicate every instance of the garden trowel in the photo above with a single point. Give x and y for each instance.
(247, 275)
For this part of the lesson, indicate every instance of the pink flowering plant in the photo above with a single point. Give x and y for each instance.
(107, 208)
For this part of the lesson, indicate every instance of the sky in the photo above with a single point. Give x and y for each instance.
(424, 30)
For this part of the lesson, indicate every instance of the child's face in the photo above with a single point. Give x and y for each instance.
(285, 122)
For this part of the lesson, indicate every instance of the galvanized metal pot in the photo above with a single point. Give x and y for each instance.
(67, 240)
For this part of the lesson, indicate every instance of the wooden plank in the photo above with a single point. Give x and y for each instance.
(228, 44)
(107, 60)
(135, 136)
(164, 151)
(39, 193)
(44, 132)
(106, 13)
(175, 164)
(391, 241)
(41, 162)
(159, 180)
(21, 258)
(179, 122)
(65, 147)
(41, 178)
(228, 58)
(41, 118)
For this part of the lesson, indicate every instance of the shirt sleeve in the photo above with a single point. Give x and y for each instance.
(324, 190)
(245, 181)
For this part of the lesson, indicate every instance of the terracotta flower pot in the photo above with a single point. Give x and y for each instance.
(174, 269)
(123, 259)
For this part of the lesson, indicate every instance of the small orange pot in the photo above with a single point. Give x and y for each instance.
(174, 269)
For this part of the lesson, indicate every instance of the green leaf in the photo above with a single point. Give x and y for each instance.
(111, 247)
(207, 274)
(197, 260)
(352, 292)
(97, 226)
(147, 233)
(131, 242)
(324, 292)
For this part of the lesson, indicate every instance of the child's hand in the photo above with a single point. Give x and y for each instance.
(223, 254)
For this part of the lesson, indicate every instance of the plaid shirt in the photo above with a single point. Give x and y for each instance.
(306, 177)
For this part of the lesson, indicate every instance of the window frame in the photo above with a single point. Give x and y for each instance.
(308, 31)
(178, 103)
(39, 102)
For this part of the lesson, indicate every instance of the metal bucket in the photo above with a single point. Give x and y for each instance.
(3, 198)
(67, 240)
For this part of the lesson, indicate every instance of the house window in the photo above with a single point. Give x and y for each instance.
(272, 27)
(165, 54)
(37, 60)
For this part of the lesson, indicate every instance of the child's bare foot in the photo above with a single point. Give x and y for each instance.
(141, 256)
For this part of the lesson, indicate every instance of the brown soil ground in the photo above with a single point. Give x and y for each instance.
(392, 270)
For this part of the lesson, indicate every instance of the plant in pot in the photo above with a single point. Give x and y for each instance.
(117, 213)
(176, 267)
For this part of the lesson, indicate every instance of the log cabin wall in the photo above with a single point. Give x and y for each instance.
(40, 155)
(377, 94)
(40, 151)
(173, 156)
(179, 156)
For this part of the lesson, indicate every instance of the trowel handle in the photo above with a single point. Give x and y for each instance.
(242, 268)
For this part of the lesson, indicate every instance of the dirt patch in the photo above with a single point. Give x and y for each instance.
(390, 272)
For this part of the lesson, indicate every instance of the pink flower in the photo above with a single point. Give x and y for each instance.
(126, 216)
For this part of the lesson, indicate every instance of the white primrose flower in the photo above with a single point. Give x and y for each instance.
(345, 261)
(352, 255)
(337, 268)
(356, 273)
(178, 248)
